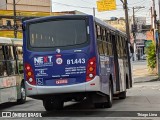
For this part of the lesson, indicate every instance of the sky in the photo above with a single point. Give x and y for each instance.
(86, 6)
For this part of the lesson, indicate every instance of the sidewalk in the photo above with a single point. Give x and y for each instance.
(142, 75)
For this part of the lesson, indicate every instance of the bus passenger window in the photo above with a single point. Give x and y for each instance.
(3, 69)
(9, 53)
(125, 48)
(100, 47)
(108, 36)
(1, 53)
(19, 53)
(118, 47)
(98, 30)
(10, 62)
(105, 48)
(121, 47)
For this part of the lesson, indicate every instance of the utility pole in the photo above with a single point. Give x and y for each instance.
(126, 18)
(134, 34)
(125, 7)
(158, 44)
(154, 37)
(15, 23)
(154, 17)
(50, 7)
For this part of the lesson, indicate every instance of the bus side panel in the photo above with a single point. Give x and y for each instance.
(8, 90)
(19, 79)
(99, 67)
(26, 55)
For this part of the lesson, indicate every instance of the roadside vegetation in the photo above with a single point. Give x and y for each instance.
(151, 57)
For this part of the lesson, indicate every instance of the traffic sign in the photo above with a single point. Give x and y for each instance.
(106, 5)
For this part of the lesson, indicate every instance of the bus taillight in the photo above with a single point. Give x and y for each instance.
(29, 74)
(91, 69)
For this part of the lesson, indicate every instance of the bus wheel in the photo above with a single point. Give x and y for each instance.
(58, 104)
(48, 104)
(52, 104)
(98, 105)
(23, 95)
(79, 99)
(109, 102)
(122, 95)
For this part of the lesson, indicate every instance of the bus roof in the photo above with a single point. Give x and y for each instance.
(17, 41)
(109, 26)
(5, 40)
(56, 17)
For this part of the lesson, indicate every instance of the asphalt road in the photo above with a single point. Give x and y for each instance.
(142, 97)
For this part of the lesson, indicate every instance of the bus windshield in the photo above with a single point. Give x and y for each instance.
(57, 33)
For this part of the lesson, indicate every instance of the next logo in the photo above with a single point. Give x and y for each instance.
(41, 60)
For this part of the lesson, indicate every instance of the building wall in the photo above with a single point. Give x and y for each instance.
(29, 8)
(27, 5)
(2, 4)
(31, 2)
(140, 21)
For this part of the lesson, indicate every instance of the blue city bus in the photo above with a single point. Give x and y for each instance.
(75, 57)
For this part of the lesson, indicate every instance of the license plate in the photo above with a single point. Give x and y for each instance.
(62, 81)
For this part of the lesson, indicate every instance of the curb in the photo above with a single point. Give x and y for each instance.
(152, 80)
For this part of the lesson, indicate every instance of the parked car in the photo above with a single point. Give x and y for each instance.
(144, 57)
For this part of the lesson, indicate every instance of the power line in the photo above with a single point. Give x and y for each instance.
(87, 2)
(137, 2)
(76, 6)
(71, 5)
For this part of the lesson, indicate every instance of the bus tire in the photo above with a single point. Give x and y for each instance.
(53, 104)
(23, 94)
(48, 105)
(109, 102)
(58, 104)
(122, 95)
(98, 105)
(78, 99)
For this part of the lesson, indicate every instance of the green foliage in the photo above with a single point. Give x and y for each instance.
(151, 56)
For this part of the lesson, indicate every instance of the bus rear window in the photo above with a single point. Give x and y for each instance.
(58, 33)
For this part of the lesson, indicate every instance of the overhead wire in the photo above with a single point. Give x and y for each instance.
(76, 5)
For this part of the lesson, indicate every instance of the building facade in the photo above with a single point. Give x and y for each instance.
(24, 8)
(27, 5)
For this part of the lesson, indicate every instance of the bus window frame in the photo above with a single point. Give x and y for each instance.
(4, 70)
(10, 60)
(17, 58)
(29, 47)
(99, 38)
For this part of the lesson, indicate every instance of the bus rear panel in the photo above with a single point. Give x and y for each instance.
(60, 56)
